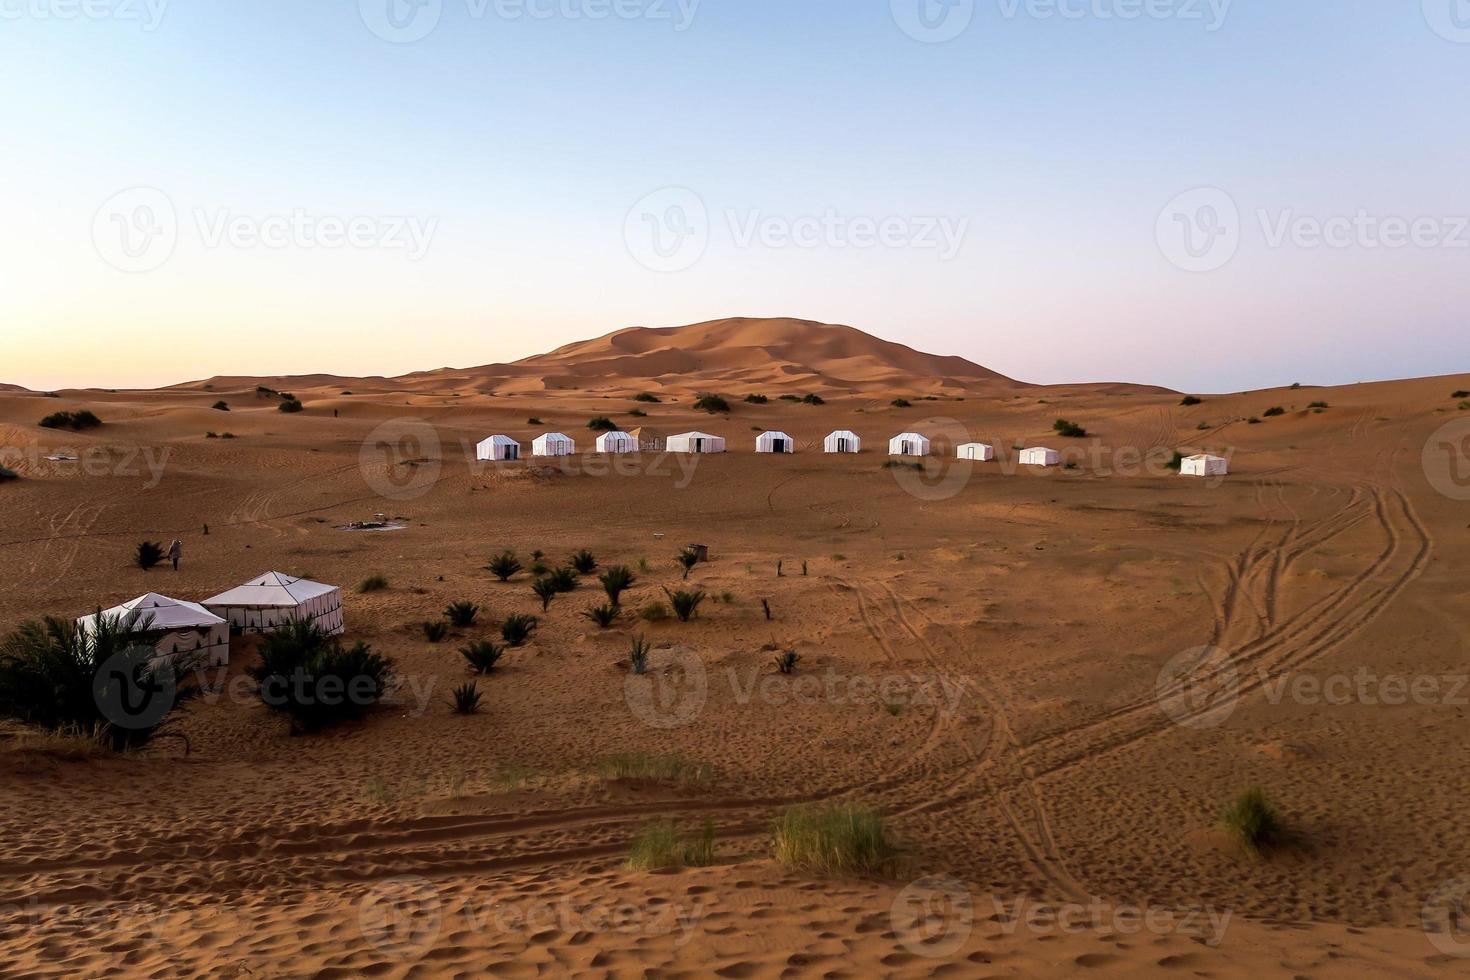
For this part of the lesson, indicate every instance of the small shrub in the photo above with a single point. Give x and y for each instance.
(714, 404)
(836, 839)
(654, 612)
(901, 403)
(76, 421)
(482, 656)
(687, 559)
(1252, 421)
(662, 846)
(814, 400)
(1191, 400)
(638, 413)
(791, 398)
(517, 629)
(786, 662)
(654, 768)
(1253, 821)
(462, 613)
(583, 562)
(211, 435)
(638, 656)
(290, 406)
(1176, 462)
(545, 590)
(221, 406)
(617, 580)
(316, 681)
(539, 568)
(647, 398)
(148, 555)
(604, 615)
(1461, 394)
(1202, 427)
(6, 473)
(563, 579)
(686, 604)
(602, 424)
(756, 399)
(1319, 405)
(1273, 412)
(434, 630)
(467, 699)
(261, 391)
(504, 566)
(534, 421)
(1069, 430)
(373, 583)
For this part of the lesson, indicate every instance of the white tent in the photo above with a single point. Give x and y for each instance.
(1204, 465)
(695, 442)
(842, 441)
(178, 629)
(908, 444)
(774, 442)
(1040, 457)
(265, 604)
(498, 448)
(617, 442)
(976, 450)
(553, 444)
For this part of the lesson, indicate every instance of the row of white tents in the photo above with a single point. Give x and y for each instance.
(202, 629)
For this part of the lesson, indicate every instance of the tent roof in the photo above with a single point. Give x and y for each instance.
(911, 435)
(1205, 456)
(547, 436)
(1037, 449)
(500, 441)
(840, 433)
(774, 432)
(272, 589)
(967, 445)
(164, 613)
(694, 435)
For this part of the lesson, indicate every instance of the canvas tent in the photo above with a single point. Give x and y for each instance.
(976, 450)
(175, 628)
(842, 441)
(908, 444)
(774, 442)
(553, 444)
(616, 442)
(265, 604)
(696, 442)
(1040, 457)
(1204, 465)
(498, 448)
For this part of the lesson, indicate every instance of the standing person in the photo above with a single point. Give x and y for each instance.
(175, 552)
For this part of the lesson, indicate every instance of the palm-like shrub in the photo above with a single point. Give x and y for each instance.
(467, 699)
(686, 604)
(148, 555)
(482, 656)
(103, 679)
(584, 562)
(687, 559)
(316, 681)
(462, 613)
(604, 615)
(616, 580)
(545, 590)
(504, 566)
(563, 579)
(786, 662)
(638, 656)
(434, 630)
(517, 629)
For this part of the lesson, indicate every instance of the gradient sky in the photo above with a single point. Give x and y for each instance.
(526, 141)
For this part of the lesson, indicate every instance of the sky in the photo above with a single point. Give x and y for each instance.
(1203, 194)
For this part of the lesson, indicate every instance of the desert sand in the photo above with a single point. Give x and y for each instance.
(982, 651)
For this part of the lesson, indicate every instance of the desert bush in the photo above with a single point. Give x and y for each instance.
(373, 583)
(1069, 430)
(602, 424)
(617, 580)
(539, 569)
(687, 559)
(533, 420)
(434, 630)
(584, 562)
(711, 403)
(504, 566)
(1461, 394)
(1319, 405)
(1252, 421)
(290, 405)
(517, 629)
(467, 698)
(814, 400)
(654, 768)
(545, 590)
(148, 555)
(901, 464)
(1252, 821)
(638, 655)
(221, 406)
(686, 604)
(76, 421)
(901, 403)
(316, 681)
(563, 579)
(261, 391)
(482, 656)
(638, 413)
(647, 398)
(52, 676)
(786, 661)
(604, 615)
(756, 399)
(661, 846)
(1273, 412)
(6, 473)
(834, 839)
(1191, 400)
(654, 612)
(462, 613)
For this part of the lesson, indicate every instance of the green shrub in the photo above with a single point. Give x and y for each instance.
(661, 846)
(1319, 405)
(814, 400)
(1253, 821)
(686, 604)
(756, 399)
(791, 398)
(504, 566)
(467, 698)
(1069, 430)
(654, 768)
(687, 559)
(563, 579)
(1252, 421)
(638, 413)
(833, 839)
(647, 398)
(76, 421)
(1461, 394)
(602, 424)
(654, 612)
(617, 580)
(901, 403)
(373, 583)
(462, 613)
(6, 473)
(1273, 412)
(221, 406)
(314, 680)
(638, 656)
(711, 403)
(584, 562)
(261, 391)
(290, 405)
(786, 662)
(517, 629)
(545, 590)
(148, 555)
(482, 656)
(434, 631)
(604, 615)
(533, 420)
(1191, 400)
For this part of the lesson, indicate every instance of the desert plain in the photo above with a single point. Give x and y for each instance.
(1003, 661)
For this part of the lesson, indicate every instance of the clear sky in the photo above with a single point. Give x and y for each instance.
(197, 187)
